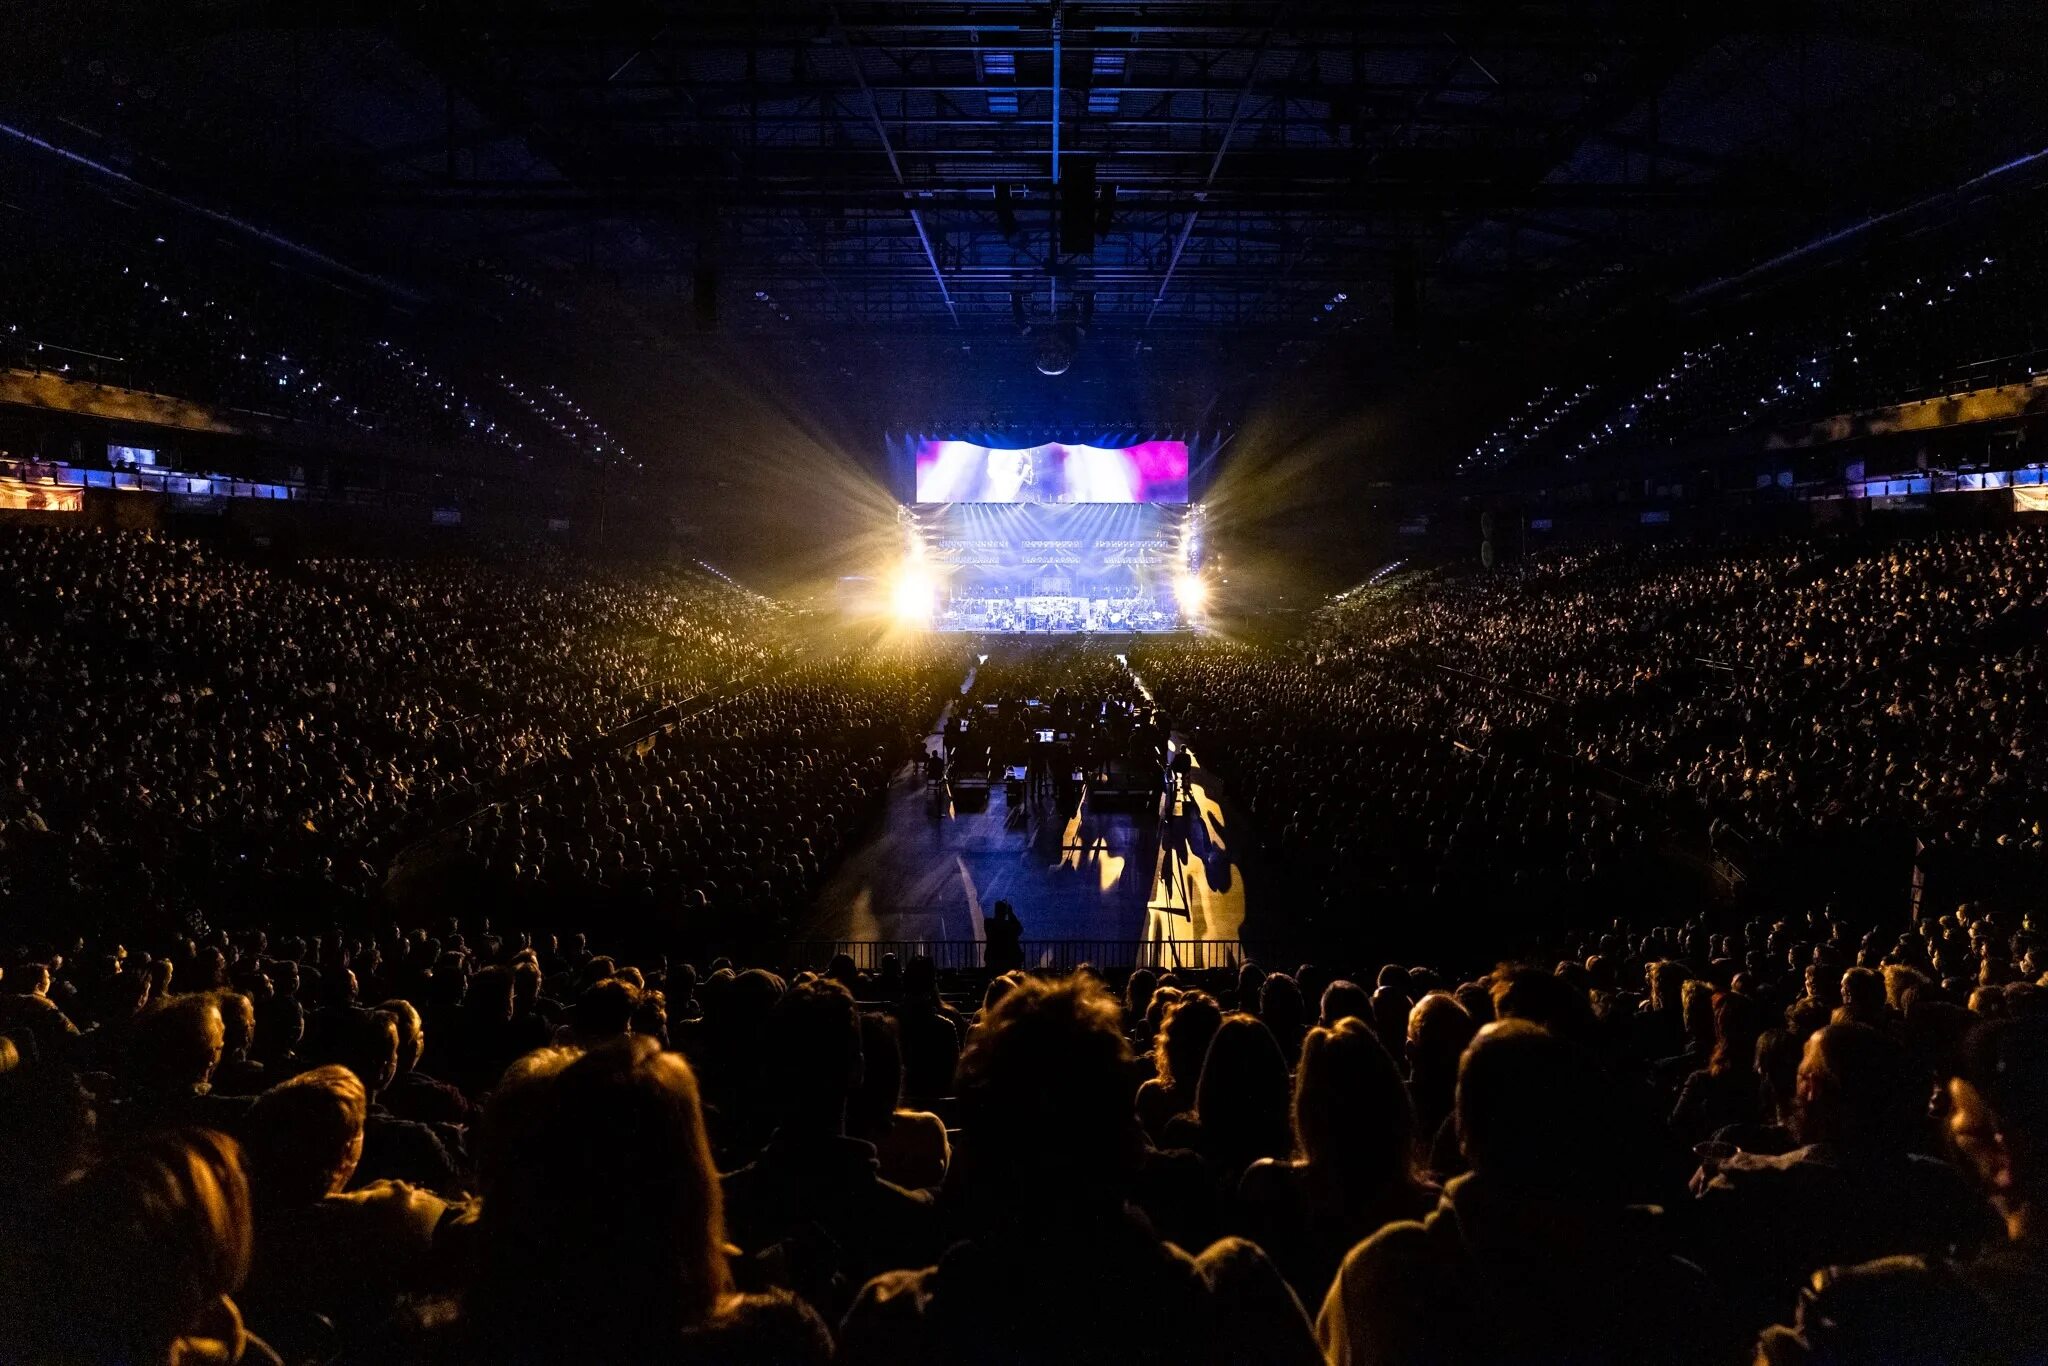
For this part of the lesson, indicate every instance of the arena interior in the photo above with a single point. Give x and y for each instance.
(1008, 681)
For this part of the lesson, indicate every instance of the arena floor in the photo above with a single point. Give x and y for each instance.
(936, 867)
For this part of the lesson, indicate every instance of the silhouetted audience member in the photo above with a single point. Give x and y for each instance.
(1931, 1310)
(1856, 1188)
(1053, 1264)
(910, 1145)
(238, 1073)
(1439, 1030)
(1354, 1165)
(601, 1235)
(394, 1149)
(322, 1249)
(1178, 1052)
(1528, 1257)
(1724, 1093)
(930, 1032)
(139, 1260)
(173, 1049)
(1342, 1000)
(812, 1210)
(413, 1094)
(1241, 1103)
(1004, 933)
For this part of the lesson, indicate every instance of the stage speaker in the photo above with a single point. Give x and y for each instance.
(704, 299)
(1077, 206)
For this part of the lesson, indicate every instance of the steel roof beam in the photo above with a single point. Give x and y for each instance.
(882, 132)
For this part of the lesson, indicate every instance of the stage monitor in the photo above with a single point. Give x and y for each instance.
(962, 472)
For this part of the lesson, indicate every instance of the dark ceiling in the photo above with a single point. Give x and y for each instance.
(1272, 183)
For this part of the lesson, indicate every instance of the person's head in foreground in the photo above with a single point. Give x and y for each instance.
(140, 1257)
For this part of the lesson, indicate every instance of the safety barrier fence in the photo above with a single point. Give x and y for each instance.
(1055, 954)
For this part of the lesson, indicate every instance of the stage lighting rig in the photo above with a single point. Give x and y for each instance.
(1058, 335)
(1056, 347)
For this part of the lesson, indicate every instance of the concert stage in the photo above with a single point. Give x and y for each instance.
(1050, 569)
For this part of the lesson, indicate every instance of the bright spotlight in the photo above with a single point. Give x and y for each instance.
(912, 596)
(1191, 591)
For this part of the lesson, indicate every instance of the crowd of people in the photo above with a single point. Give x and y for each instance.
(1804, 1138)
(195, 723)
(734, 817)
(1384, 787)
(1537, 726)
(185, 720)
(229, 1130)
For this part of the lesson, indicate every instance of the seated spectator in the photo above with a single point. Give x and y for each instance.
(1776, 1068)
(604, 1012)
(1354, 1169)
(911, 1145)
(1241, 1103)
(139, 1261)
(1855, 1189)
(173, 1050)
(1439, 1030)
(1864, 1000)
(1185, 1031)
(998, 987)
(1725, 1092)
(394, 1149)
(320, 1248)
(481, 1047)
(601, 1233)
(1390, 1004)
(931, 1033)
(1048, 1144)
(1527, 1257)
(238, 1074)
(1139, 989)
(1342, 1000)
(534, 1016)
(1990, 1310)
(280, 1031)
(812, 1210)
(1696, 1012)
(413, 1094)
(27, 1009)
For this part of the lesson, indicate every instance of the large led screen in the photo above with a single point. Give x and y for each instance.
(961, 472)
(23, 495)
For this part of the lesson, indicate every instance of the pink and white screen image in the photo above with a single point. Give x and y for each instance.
(961, 472)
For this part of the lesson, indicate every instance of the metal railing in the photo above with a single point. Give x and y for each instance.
(1059, 955)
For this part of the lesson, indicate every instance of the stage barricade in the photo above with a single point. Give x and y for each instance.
(1061, 955)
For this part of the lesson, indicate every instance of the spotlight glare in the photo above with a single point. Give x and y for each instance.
(1191, 591)
(911, 598)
